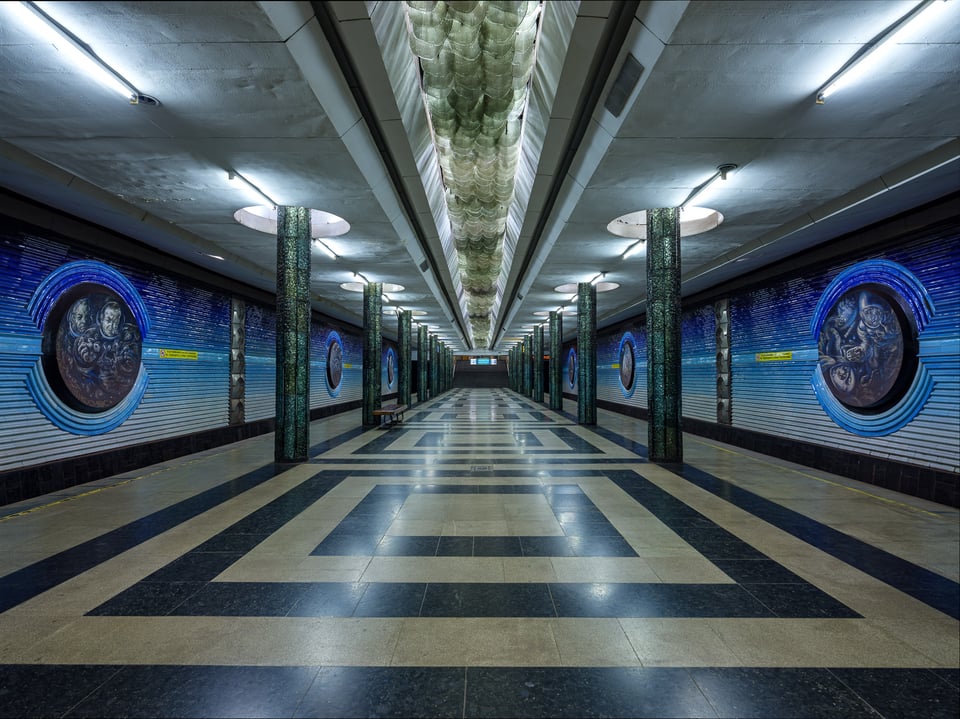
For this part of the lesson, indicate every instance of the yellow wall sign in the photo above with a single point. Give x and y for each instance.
(179, 354)
(774, 356)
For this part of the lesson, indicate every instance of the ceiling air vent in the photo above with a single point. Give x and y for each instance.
(424, 265)
(623, 86)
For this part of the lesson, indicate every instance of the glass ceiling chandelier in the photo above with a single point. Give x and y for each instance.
(476, 60)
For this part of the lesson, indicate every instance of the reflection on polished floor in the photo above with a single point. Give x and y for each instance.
(487, 557)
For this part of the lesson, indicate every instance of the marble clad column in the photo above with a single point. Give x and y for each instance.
(538, 364)
(664, 425)
(292, 435)
(586, 353)
(423, 364)
(404, 329)
(555, 368)
(432, 353)
(372, 351)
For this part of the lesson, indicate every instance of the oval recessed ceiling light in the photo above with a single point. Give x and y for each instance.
(570, 288)
(358, 287)
(693, 221)
(263, 218)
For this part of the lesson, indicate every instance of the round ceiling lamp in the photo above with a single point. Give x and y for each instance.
(358, 287)
(693, 221)
(571, 287)
(263, 218)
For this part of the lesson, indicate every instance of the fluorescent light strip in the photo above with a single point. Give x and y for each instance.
(721, 173)
(233, 176)
(633, 249)
(857, 66)
(322, 246)
(86, 58)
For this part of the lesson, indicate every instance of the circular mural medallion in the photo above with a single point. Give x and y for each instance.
(572, 368)
(96, 344)
(391, 370)
(334, 362)
(627, 364)
(866, 354)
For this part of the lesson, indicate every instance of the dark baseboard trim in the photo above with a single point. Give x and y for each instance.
(924, 482)
(28, 482)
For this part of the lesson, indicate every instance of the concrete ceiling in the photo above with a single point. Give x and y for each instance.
(298, 97)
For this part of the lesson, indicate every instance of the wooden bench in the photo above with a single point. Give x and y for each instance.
(390, 414)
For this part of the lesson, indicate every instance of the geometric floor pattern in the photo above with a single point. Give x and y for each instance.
(487, 557)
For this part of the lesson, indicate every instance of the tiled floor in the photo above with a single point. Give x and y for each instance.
(487, 557)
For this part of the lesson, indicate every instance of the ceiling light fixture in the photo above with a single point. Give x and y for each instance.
(599, 277)
(323, 247)
(235, 176)
(88, 60)
(857, 66)
(361, 276)
(633, 249)
(721, 173)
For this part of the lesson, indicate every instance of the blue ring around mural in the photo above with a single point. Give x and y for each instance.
(391, 353)
(903, 282)
(572, 362)
(628, 338)
(333, 391)
(41, 303)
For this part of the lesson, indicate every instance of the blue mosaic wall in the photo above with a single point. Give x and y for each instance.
(185, 357)
(775, 359)
(779, 393)
(182, 382)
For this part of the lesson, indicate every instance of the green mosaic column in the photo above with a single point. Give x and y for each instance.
(448, 375)
(538, 363)
(514, 369)
(586, 353)
(528, 365)
(555, 369)
(372, 350)
(404, 331)
(432, 354)
(423, 364)
(292, 436)
(664, 426)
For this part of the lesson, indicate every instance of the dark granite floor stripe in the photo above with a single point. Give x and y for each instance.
(544, 692)
(473, 599)
(26, 583)
(929, 587)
